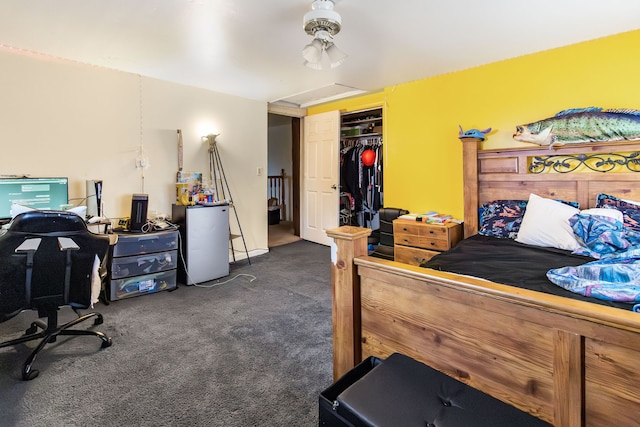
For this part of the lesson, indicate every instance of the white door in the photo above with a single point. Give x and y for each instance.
(320, 163)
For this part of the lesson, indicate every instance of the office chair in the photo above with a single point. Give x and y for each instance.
(385, 249)
(48, 261)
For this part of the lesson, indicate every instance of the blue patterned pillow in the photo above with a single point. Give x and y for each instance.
(630, 210)
(502, 218)
(574, 204)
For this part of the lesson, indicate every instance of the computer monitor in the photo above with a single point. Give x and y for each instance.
(37, 193)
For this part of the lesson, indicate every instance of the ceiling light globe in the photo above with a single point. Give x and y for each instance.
(336, 56)
(313, 65)
(313, 51)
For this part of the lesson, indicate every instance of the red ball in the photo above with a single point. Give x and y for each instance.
(368, 157)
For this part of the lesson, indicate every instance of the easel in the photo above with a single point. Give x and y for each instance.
(216, 172)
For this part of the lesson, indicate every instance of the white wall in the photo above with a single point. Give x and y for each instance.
(61, 118)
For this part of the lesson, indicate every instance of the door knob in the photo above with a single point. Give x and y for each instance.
(334, 186)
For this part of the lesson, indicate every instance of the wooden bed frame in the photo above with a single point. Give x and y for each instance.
(569, 362)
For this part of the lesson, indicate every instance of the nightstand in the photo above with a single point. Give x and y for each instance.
(416, 242)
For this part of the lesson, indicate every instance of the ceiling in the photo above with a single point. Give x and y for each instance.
(252, 48)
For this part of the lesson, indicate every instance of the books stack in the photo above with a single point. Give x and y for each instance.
(430, 217)
(438, 219)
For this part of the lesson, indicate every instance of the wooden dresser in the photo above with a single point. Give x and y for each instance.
(416, 242)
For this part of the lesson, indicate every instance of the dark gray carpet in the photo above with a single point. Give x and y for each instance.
(240, 354)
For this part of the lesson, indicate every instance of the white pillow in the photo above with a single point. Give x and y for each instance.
(631, 202)
(546, 223)
(609, 213)
(81, 211)
(17, 209)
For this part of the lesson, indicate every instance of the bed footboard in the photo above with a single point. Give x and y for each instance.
(568, 362)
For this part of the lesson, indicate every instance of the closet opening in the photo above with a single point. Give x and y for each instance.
(361, 190)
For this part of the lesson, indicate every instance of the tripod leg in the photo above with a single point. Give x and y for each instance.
(215, 163)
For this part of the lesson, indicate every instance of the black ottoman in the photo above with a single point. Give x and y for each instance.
(401, 391)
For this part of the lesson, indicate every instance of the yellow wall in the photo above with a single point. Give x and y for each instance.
(423, 157)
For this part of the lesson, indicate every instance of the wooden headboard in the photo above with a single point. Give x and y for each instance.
(574, 172)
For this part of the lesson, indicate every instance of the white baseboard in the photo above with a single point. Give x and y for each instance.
(241, 255)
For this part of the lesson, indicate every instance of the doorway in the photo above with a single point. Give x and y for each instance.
(283, 160)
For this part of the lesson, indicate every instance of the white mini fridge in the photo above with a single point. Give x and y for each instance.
(204, 232)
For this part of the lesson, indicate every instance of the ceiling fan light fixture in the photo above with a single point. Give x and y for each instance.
(322, 22)
(322, 17)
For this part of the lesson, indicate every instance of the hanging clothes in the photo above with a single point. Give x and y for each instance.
(363, 182)
(350, 176)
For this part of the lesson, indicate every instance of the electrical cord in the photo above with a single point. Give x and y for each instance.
(158, 225)
(213, 285)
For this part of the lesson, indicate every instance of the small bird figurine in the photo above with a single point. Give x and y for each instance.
(473, 133)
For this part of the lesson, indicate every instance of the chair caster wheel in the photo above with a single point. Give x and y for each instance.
(32, 329)
(28, 376)
(107, 343)
(98, 321)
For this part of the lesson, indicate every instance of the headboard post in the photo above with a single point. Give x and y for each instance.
(470, 181)
(348, 243)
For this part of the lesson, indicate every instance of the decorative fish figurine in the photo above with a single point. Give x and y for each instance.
(579, 125)
(473, 133)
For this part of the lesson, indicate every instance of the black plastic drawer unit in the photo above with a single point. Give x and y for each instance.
(143, 263)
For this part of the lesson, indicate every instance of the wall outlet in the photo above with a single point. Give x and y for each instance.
(259, 171)
(142, 162)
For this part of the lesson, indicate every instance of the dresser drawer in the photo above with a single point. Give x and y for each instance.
(141, 285)
(431, 231)
(413, 256)
(136, 265)
(422, 241)
(144, 243)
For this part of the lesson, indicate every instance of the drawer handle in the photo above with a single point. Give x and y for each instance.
(419, 260)
(432, 243)
(405, 229)
(432, 232)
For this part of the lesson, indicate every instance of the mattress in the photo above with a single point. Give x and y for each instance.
(512, 263)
